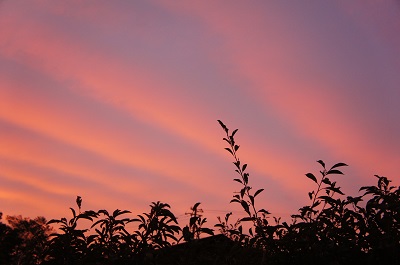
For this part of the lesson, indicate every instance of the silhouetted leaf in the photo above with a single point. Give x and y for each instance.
(54, 221)
(295, 216)
(326, 181)
(258, 192)
(96, 223)
(370, 190)
(315, 204)
(193, 220)
(312, 177)
(227, 140)
(334, 171)
(246, 219)
(242, 192)
(264, 211)
(105, 212)
(245, 206)
(338, 165)
(223, 126)
(238, 180)
(87, 215)
(234, 132)
(383, 182)
(207, 231)
(73, 212)
(244, 167)
(335, 189)
(229, 150)
(119, 212)
(251, 199)
(328, 199)
(246, 178)
(78, 201)
(322, 163)
(354, 200)
(233, 232)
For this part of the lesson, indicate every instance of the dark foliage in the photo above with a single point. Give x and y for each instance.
(24, 240)
(195, 228)
(332, 229)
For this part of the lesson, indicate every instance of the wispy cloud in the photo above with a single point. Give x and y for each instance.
(118, 101)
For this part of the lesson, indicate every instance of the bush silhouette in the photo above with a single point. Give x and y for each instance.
(332, 229)
(24, 240)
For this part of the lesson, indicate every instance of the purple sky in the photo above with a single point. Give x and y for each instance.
(118, 101)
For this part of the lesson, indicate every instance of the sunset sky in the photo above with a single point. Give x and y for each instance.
(118, 101)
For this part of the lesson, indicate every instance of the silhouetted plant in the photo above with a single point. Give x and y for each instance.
(325, 226)
(33, 235)
(156, 229)
(382, 217)
(195, 227)
(332, 229)
(245, 197)
(23, 240)
(70, 247)
(310, 213)
(231, 230)
(112, 242)
(8, 241)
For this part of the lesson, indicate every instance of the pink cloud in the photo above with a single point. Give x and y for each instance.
(143, 108)
(284, 64)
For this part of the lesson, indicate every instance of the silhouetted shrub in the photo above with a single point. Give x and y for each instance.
(24, 240)
(331, 229)
(195, 228)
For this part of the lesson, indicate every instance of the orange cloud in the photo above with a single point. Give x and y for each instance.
(132, 91)
(104, 96)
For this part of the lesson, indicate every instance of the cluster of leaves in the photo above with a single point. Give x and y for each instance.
(195, 228)
(246, 198)
(24, 240)
(111, 242)
(331, 229)
(107, 241)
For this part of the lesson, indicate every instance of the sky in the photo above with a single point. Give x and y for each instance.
(118, 102)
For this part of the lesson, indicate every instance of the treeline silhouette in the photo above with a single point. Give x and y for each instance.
(331, 229)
